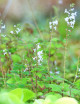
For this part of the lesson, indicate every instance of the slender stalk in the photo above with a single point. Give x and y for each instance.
(65, 53)
(3, 73)
(36, 71)
(76, 70)
(29, 67)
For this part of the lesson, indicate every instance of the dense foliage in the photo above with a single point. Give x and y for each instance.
(40, 68)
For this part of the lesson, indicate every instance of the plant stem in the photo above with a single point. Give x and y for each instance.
(76, 70)
(65, 51)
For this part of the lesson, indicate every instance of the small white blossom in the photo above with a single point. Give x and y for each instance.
(3, 27)
(72, 23)
(39, 54)
(4, 50)
(12, 32)
(53, 24)
(74, 14)
(10, 53)
(34, 50)
(66, 19)
(69, 30)
(72, 9)
(72, 26)
(38, 46)
(50, 27)
(55, 28)
(18, 30)
(51, 72)
(55, 62)
(14, 25)
(77, 76)
(5, 53)
(34, 58)
(57, 72)
(65, 11)
(71, 17)
(26, 69)
(50, 23)
(3, 35)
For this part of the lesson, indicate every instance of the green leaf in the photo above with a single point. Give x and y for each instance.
(77, 83)
(23, 94)
(8, 98)
(39, 74)
(16, 58)
(50, 99)
(55, 87)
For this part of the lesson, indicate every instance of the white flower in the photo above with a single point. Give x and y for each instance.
(67, 19)
(55, 22)
(55, 62)
(34, 58)
(74, 14)
(77, 76)
(18, 30)
(5, 53)
(57, 72)
(55, 28)
(72, 9)
(72, 17)
(39, 54)
(4, 35)
(14, 25)
(34, 50)
(10, 53)
(68, 23)
(51, 72)
(72, 23)
(3, 27)
(79, 69)
(69, 30)
(12, 32)
(72, 26)
(50, 27)
(38, 46)
(50, 23)
(65, 11)
(4, 50)
(26, 69)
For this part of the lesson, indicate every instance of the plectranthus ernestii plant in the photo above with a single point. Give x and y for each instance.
(70, 19)
(39, 55)
(53, 25)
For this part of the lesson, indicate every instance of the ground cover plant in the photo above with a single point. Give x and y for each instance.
(40, 67)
